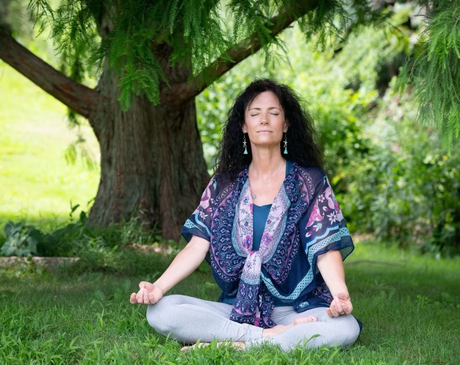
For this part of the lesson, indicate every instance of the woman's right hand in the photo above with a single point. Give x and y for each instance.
(148, 294)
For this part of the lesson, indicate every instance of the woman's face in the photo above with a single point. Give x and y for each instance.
(264, 120)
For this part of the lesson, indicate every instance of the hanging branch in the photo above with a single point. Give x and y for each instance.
(74, 95)
(180, 93)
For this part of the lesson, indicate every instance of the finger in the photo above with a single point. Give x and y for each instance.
(333, 309)
(338, 305)
(143, 284)
(329, 313)
(145, 296)
(140, 296)
(133, 298)
(346, 308)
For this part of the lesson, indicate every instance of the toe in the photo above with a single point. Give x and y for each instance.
(305, 320)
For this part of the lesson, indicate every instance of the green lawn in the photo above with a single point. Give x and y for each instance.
(409, 306)
(36, 183)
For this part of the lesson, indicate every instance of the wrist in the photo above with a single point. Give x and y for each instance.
(160, 287)
(338, 289)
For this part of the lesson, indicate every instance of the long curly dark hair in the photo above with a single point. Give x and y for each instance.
(301, 134)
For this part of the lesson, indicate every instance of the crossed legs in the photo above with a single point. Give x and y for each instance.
(187, 320)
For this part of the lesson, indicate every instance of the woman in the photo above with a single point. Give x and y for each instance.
(271, 229)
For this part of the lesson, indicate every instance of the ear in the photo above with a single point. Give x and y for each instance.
(245, 130)
(286, 126)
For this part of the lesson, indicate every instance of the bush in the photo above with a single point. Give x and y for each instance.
(75, 239)
(21, 240)
(407, 189)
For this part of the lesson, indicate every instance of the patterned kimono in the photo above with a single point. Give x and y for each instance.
(304, 222)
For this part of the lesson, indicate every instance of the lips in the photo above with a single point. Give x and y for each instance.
(264, 131)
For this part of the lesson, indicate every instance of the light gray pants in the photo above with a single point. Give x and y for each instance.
(187, 320)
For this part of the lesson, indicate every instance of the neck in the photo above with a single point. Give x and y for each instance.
(266, 164)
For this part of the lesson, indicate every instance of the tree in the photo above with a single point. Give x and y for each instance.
(434, 69)
(154, 57)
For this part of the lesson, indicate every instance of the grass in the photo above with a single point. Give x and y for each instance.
(37, 185)
(409, 306)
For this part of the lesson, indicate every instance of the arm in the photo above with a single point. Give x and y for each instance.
(331, 268)
(182, 266)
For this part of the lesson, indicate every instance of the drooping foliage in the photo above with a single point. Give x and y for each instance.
(196, 32)
(434, 69)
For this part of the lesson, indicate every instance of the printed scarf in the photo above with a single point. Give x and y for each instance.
(253, 303)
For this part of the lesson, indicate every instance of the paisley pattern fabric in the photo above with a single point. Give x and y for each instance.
(304, 222)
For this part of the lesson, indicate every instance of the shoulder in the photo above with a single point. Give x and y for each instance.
(222, 186)
(224, 180)
(314, 174)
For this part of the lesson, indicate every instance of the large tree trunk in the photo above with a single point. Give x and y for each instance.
(152, 163)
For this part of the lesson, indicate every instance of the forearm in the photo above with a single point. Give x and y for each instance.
(183, 264)
(331, 268)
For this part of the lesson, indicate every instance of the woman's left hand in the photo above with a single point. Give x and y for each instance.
(340, 305)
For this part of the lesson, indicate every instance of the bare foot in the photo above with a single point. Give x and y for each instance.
(270, 332)
(237, 344)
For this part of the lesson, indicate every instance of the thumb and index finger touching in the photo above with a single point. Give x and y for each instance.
(340, 305)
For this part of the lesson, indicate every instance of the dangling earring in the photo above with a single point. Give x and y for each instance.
(285, 152)
(245, 145)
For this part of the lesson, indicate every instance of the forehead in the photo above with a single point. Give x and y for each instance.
(265, 99)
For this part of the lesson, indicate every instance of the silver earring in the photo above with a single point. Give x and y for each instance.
(245, 145)
(285, 145)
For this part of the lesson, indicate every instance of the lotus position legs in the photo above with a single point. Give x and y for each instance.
(189, 320)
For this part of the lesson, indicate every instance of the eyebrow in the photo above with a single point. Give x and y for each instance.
(273, 107)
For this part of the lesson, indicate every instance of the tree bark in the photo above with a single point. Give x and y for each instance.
(152, 164)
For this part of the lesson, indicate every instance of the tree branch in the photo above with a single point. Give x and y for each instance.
(76, 96)
(180, 93)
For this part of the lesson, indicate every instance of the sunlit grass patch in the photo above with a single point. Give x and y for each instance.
(36, 183)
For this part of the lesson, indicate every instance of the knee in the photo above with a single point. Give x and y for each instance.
(347, 332)
(160, 316)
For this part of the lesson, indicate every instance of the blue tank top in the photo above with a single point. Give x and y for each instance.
(260, 215)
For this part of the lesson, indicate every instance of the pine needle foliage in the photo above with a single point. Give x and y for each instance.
(73, 30)
(434, 70)
(137, 37)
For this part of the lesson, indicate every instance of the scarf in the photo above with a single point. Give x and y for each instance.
(253, 305)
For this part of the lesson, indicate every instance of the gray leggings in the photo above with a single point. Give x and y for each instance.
(187, 320)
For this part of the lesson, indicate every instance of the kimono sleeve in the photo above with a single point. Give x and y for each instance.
(323, 227)
(199, 223)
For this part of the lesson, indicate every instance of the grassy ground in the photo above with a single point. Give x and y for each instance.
(36, 182)
(409, 306)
